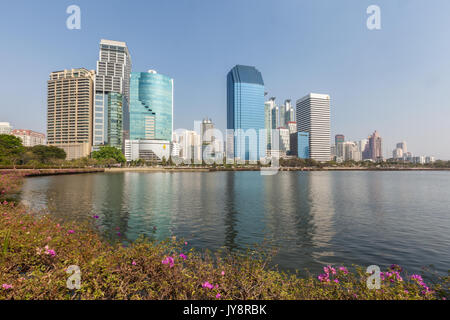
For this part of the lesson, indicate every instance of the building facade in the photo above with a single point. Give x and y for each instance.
(151, 106)
(373, 150)
(147, 150)
(245, 113)
(313, 117)
(29, 138)
(69, 111)
(5, 128)
(112, 95)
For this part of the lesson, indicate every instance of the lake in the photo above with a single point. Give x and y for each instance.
(312, 218)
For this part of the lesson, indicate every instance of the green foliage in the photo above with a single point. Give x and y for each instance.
(109, 153)
(11, 149)
(46, 154)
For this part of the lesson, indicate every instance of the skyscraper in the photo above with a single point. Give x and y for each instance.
(269, 107)
(373, 150)
(339, 139)
(245, 113)
(151, 106)
(112, 94)
(69, 111)
(313, 116)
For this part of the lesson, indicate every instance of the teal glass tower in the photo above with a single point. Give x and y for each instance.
(245, 113)
(151, 106)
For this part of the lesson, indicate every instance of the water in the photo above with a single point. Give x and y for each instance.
(313, 218)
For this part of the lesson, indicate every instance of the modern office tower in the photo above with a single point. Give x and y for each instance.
(284, 140)
(151, 106)
(275, 116)
(303, 143)
(29, 138)
(339, 139)
(362, 145)
(207, 128)
(69, 111)
(112, 95)
(287, 114)
(313, 116)
(5, 128)
(373, 150)
(269, 106)
(245, 114)
(402, 145)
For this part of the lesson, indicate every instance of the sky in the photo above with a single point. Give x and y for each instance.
(395, 80)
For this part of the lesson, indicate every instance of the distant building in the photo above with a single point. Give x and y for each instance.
(313, 117)
(190, 146)
(5, 128)
(429, 159)
(148, 150)
(292, 126)
(397, 154)
(402, 146)
(29, 138)
(245, 111)
(269, 107)
(419, 159)
(373, 150)
(69, 111)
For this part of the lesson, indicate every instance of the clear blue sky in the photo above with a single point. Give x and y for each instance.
(395, 80)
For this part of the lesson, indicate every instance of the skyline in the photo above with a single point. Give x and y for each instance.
(389, 64)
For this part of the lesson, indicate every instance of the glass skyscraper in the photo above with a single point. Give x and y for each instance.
(112, 89)
(245, 110)
(151, 106)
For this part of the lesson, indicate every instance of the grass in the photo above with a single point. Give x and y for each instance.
(37, 250)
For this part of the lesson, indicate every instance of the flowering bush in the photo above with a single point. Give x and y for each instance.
(36, 252)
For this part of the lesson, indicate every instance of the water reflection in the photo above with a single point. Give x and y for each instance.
(312, 218)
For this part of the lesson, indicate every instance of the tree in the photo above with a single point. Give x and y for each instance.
(108, 152)
(46, 154)
(11, 149)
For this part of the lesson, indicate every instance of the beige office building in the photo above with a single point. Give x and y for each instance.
(69, 111)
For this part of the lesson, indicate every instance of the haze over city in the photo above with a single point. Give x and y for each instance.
(393, 80)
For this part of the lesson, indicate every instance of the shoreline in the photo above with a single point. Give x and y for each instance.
(203, 169)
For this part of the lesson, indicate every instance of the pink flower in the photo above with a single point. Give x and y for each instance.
(336, 280)
(207, 285)
(95, 217)
(183, 256)
(185, 243)
(70, 231)
(218, 296)
(6, 286)
(169, 261)
(222, 273)
(133, 263)
(343, 269)
(51, 252)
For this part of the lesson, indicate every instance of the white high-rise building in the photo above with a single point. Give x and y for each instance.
(5, 128)
(112, 94)
(313, 116)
